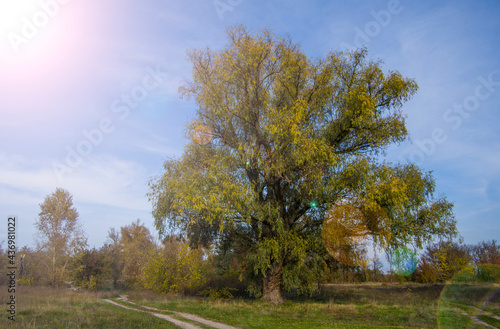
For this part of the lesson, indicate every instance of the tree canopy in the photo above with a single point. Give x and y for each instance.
(59, 232)
(279, 141)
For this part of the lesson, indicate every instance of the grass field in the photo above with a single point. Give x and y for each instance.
(52, 308)
(339, 306)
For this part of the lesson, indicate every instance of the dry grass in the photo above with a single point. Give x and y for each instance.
(42, 307)
(359, 306)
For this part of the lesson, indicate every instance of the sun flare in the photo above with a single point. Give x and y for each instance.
(12, 12)
(44, 49)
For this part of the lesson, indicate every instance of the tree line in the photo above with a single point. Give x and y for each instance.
(132, 258)
(439, 262)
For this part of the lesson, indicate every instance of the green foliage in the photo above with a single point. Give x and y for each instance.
(214, 294)
(441, 261)
(403, 261)
(174, 268)
(135, 242)
(114, 257)
(88, 269)
(35, 269)
(3, 263)
(291, 138)
(91, 284)
(25, 281)
(479, 273)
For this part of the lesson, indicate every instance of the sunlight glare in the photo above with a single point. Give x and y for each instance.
(12, 12)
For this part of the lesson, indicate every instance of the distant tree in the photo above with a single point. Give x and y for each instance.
(403, 261)
(88, 269)
(34, 269)
(3, 264)
(60, 234)
(174, 267)
(485, 252)
(442, 260)
(136, 242)
(279, 140)
(427, 271)
(113, 254)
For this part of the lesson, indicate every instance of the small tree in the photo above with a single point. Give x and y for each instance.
(485, 252)
(34, 271)
(88, 269)
(442, 260)
(60, 234)
(3, 264)
(114, 257)
(174, 267)
(136, 242)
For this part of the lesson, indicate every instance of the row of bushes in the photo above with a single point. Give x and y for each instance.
(438, 263)
(131, 259)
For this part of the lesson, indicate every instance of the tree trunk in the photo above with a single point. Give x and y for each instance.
(54, 269)
(272, 292)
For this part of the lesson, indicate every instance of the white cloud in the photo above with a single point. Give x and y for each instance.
(107, 192)
(157, 149)
(102, 180)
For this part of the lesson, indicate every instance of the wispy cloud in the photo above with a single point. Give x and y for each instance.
(103, 180)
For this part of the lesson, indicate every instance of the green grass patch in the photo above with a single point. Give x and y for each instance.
(338, 306)
(57, 308)
(489, 320)
(342, 307)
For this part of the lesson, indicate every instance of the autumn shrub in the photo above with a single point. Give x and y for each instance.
(225, 293)
(88, 269)
(174, 267)
(441, 261)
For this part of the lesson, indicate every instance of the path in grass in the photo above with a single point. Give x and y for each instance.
(480, 312)
(180, 324)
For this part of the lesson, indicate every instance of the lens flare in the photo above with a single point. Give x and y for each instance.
(470, 298)
(202, 134)
(49, 52)
(403, 261)
(356, 232)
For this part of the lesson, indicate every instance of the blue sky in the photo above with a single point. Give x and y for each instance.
(67, 72)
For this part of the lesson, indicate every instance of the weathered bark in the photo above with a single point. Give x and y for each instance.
(272, 292)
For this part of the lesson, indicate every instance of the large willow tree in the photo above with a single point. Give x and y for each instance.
(278, 141)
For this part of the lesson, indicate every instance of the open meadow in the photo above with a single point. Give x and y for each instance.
(338, 306)
(249, 164)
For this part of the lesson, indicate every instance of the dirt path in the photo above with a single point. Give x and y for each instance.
(178, 323)
(483, 312)
(476, 319)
